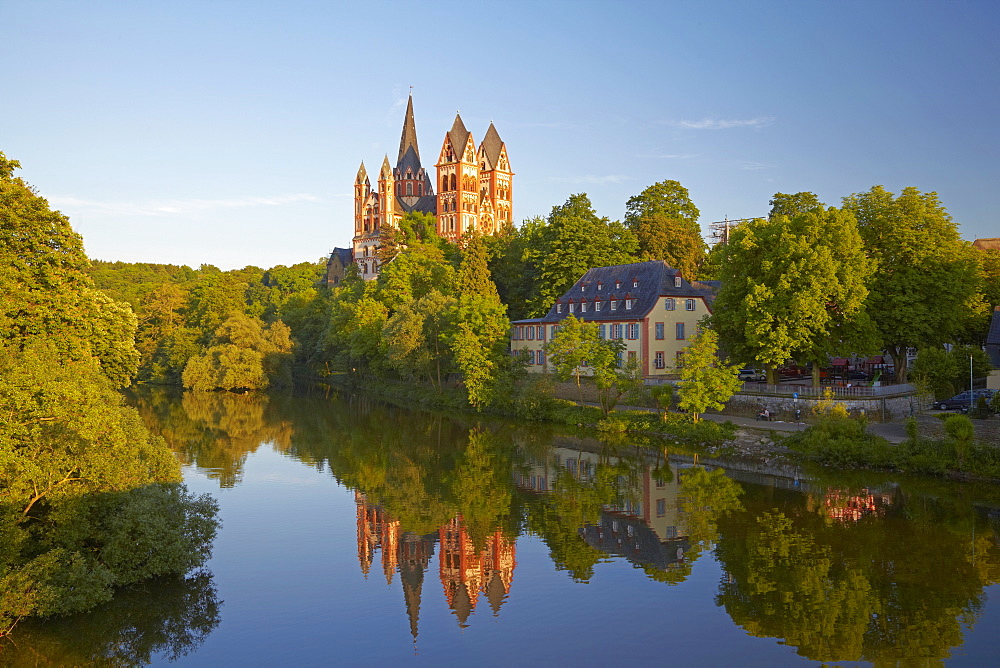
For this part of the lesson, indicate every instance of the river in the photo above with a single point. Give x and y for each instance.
(356, 532)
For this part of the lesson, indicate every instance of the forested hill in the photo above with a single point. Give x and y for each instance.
(227, 324)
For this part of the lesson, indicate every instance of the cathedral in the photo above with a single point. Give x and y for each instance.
(472, 186)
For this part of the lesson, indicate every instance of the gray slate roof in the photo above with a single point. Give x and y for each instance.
(408, 140)
(459, 136)
(491, 146)
(655, 279)
(994, 336)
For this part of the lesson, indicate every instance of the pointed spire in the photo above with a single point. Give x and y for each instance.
(409, 136)
(362, 173)
(386, 170)
(459, 135)
(491, 147)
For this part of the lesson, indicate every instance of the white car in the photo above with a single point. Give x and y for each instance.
(753, 375)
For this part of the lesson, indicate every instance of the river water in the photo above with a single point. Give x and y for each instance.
(356, 532)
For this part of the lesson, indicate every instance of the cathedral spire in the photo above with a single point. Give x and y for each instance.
(409, 137)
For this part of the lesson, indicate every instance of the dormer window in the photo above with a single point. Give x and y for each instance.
(597, 306)
(618, 285)
(572, 307)
(600, 286)
(614, 304)
(558, 308)
(677, 281)
(583, 307)
(583, 288)
(628, 303)
(635, 282)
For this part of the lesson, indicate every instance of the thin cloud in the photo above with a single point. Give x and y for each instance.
(592, 180)
(670, 156)
(175, 207)
(724, 124)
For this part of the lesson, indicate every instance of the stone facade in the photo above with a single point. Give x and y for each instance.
(474, 190)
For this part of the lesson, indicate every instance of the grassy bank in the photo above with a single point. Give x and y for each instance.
(845, 442)
(533, 401)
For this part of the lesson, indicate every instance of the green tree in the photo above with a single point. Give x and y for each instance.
(665, 223)
(707, 381)
(479, 325)
(927, 277)
(245, 354)
(571, 347)
(47, 292)
(792, 205)
(936, 370)
(794, 288)
(613, 382)
(574, 240)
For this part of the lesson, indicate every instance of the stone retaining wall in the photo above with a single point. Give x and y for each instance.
(987, 431)
(876, 409)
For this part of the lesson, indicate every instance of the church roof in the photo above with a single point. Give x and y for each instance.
(459, 135)
(408, 139)
(491, 146)
(987, 244)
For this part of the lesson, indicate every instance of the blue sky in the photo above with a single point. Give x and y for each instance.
(230, 132)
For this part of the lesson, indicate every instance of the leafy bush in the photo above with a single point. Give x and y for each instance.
(841, 441)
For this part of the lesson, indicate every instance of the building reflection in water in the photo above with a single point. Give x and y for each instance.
(643, 525)
(845, 506)
(465, 571)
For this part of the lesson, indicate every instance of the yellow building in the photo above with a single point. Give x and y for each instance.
(647, 305)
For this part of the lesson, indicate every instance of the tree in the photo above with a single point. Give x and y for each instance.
(707, 381)
(574, 240)
(89, 499)
(479, 325)
(245, 354)
(574, 343)
(794, 288)
(47, 293)
(613, 382)
(665, 223)
(927, 275)
(792, 205)
(936, 370)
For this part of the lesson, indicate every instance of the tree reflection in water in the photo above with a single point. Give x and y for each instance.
(896, 581)
(841, 569)
(161, 619)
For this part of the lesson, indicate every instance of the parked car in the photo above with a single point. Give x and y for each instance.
(753, 375)
(963, 400)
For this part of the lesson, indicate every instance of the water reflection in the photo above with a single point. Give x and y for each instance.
(841, 567)
(161, 619)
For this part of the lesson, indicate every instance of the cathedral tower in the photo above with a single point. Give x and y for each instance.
(473, 190)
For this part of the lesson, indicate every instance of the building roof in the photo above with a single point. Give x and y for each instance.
(643, 282)
(346, 255)
(987, 244)
(993, 338)
(459, 136)
(491, 146)
(408, 140)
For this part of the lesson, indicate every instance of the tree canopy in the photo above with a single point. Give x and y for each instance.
(928, 277)
(794, 289)
(665, 223)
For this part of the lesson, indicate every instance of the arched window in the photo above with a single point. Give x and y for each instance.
(409, 188)
(454, 182)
